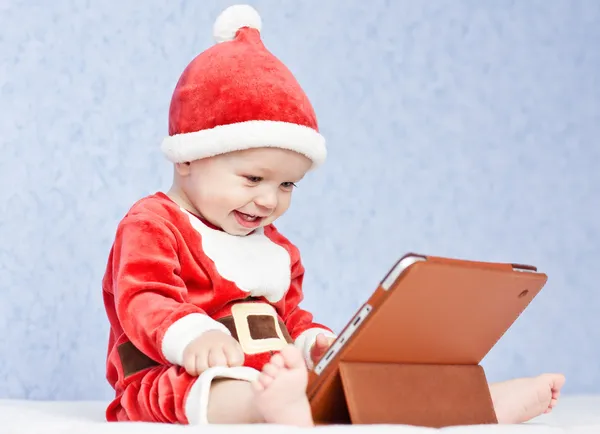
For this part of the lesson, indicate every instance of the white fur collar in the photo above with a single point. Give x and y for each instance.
(253, 262)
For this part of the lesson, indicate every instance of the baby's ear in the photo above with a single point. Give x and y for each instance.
(183, 169)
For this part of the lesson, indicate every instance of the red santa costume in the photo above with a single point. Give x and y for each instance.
(172, 276)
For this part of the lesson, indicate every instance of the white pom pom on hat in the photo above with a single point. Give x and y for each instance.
(233, 19)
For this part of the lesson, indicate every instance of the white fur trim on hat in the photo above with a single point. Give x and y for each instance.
(234, 18)
(221, 139)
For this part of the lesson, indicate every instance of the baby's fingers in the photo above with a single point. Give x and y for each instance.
(234, 354)
(323, 342)
(195, 362)
(189, 363)
(217, 357)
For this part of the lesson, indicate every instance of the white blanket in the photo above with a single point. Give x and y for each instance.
(575, 414)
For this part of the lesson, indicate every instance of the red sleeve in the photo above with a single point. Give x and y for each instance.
(150, 296)
(298, 321)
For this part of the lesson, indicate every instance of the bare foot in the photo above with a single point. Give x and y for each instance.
(281, 390)
(522, 399)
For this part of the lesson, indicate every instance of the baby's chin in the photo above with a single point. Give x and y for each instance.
(238, 233)
(236, 230)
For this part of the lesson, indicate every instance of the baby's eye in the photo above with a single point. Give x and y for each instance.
(288, 185)
(254, 179)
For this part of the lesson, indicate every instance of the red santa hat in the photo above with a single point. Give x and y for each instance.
(237, 95)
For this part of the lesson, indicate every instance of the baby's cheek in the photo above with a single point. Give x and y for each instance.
(282, 207)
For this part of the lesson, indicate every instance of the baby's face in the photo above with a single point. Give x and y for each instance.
(241, 191)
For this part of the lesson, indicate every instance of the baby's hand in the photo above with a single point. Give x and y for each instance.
(321, 345)
(213, 348)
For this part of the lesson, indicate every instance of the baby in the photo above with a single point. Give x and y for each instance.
(201, 290)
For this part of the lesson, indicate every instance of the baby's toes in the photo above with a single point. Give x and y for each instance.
(292, 357)
(277, 360)
(557, 381)
(257, 385)
(265, 380)
(271, 370)
(551, 405)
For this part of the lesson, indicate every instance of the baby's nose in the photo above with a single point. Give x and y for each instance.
(267, 200)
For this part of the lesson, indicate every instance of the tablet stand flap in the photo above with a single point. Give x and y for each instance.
(423, 395)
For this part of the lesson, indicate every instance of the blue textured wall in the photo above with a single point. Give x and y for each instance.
(459, 128)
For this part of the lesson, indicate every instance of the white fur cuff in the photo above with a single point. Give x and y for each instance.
(306, 340)
(185, 330)
(196, 403)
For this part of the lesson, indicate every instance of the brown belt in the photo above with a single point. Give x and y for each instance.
(256, 326)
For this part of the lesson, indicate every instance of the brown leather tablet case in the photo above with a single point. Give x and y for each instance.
(414, 357)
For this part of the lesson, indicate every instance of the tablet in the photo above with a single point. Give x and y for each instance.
(427, 310)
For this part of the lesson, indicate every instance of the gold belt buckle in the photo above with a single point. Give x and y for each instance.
(240, 313)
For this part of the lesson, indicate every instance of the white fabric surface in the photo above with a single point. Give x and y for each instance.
(575, 414)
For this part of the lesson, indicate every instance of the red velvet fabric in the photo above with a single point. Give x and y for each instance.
(237, 81)
(154, 395)
(157, 274)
